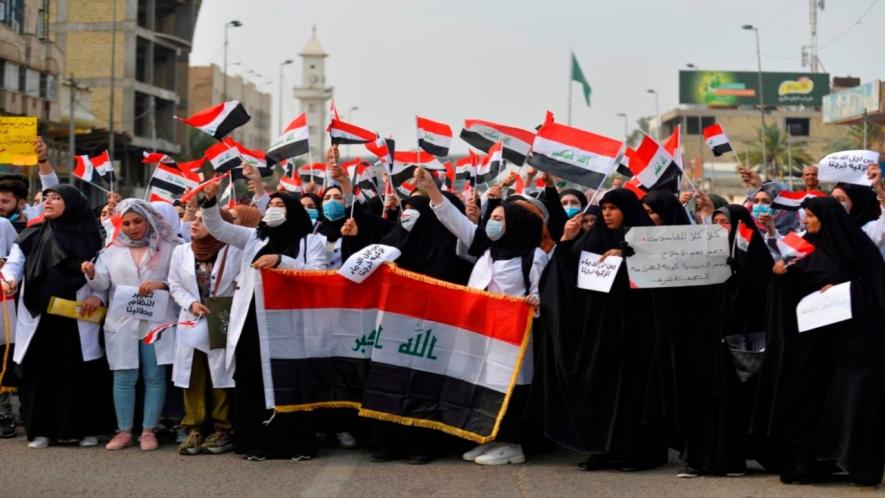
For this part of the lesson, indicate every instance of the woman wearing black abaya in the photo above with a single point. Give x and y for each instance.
(594, 351)
(64, 382)
(828, 399)
(283, 239)
(717, 442)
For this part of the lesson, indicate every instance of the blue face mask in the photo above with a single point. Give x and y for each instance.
(494, 229)
(333, 210)
(761, 209)
(572, 210)
(313, 213)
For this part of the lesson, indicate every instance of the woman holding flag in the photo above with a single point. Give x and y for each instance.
(283, 239)
(828, 401)
(138, 260)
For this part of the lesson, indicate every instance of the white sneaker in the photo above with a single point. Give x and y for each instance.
(88, 442)
(39, 442)
(479, 450)
(502, 455)
(346, 440)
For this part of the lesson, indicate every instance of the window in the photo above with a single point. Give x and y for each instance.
(797, 127)
(10, 76)
(32, 83)
(691, 124)
(12, 14)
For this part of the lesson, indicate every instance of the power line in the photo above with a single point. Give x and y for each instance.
(848, 30)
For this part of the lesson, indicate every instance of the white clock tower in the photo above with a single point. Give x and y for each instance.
(314, 95)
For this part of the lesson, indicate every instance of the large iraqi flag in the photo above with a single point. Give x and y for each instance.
(400, 347)
(575, 155)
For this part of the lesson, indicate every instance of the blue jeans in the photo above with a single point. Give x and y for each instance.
(154, 377)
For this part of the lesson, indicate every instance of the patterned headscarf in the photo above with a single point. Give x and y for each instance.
(158, 229)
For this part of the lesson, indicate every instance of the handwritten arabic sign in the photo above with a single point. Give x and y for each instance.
(150, 307)
(819, 309)
(849, 166)
(678, 256)
(17, 136)
(597, 275)
(359, 266)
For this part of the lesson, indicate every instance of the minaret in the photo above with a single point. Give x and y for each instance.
(314, 95)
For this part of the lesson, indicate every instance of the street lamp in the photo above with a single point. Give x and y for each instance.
(230, 24)
(280, 103)
(657, 112)
(690, 66)
(624, 115)
(750, 27)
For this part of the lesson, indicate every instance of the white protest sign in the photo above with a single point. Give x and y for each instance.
(360, 265)
(848, 166)
(597, 275)
(150, 307)
(678, 256)
(819, 309)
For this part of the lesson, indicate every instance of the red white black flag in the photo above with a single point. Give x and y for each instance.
(434, 137)
(792, 201)
(716, 140)
(484, 134)
(218, 121)
(95, 169)
(346, 133)
(575, 155)
(292, 143)
(653, 166)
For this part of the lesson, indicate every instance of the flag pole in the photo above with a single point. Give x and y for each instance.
(571, 62)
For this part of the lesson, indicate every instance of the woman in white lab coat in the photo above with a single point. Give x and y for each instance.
(204, 269)
(63, 382)
(139, 259)
(282, 240)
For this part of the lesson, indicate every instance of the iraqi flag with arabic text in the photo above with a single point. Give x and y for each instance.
(292, 143)
(346, 133)
(219, 120)
(434, 137)
(653, 166)
(484, 134)
(575, 155)
(388, 348)
(94, 170)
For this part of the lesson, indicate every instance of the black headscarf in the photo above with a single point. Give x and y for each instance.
(666, 205)
(864, 205)
(577, 193)
(284, 238)
(522, 235)
(55, 248)
(429, 248)
(599, 238)
(330, 229)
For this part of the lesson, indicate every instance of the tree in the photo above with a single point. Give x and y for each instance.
(875, 139)
(786, 156)
(642, 125)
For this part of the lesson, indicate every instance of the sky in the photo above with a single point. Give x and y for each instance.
(509, 61)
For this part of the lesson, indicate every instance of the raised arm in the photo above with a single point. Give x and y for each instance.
(455, 221)
(228, 233)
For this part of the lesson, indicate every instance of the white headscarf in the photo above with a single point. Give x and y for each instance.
(158, 228)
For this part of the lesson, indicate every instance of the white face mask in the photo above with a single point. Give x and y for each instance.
(108, 227)
(274, 216)
(409, 218)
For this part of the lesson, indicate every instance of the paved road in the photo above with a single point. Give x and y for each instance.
(62, 471)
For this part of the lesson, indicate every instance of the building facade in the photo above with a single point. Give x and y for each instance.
(133, 57)
(314, 95)
(206, 86)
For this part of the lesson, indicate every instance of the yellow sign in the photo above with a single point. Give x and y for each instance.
(17, 137)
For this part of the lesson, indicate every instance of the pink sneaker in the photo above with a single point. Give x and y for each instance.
(120, 441)
(148, 441)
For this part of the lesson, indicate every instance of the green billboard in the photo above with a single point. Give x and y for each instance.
(734, 88)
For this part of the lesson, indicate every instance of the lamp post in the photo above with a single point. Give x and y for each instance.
(624, 115)
(280, 103)
(700, 128)
(657, 112)
(754, 29)
(230, 24)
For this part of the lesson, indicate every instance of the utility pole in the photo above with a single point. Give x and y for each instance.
(113, 79)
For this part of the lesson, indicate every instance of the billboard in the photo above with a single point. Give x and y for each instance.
(734, 88)
(851, 103)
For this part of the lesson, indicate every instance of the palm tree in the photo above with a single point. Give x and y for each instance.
(875, 139)
(785, 155)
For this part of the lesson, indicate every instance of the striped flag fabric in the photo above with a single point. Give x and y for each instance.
(484, 134)
(155, 333)
(653, 166)
(465, 168)
(673, 146)
(792, 201)
(292, 143)
(362, 178)
(492, 163)
(156, 157)
(171, 182)
(219, 120)
(406, 162)
(229, 197)
(635, 186)
(291, 183)
(383, 149)
(117, 224)
(792, 247)
(575, 155)
(199, 188)
(254, 158)
(389, 349)
(315, 173)
(223, 157)
(716, 140)
(743, 236)
(156, 194)
(192, 166)
(434, 137)
(94, 170)
(346, 133)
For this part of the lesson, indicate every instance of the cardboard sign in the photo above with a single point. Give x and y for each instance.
(820, 309)
(17, 137)
(150, 307)
(597, 275)
(359, 266)
(847, 166)
(678, 256)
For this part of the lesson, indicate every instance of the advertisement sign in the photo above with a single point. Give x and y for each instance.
(734, 88)
(851, 103)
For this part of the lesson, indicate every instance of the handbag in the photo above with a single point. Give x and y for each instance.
(219, 311)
